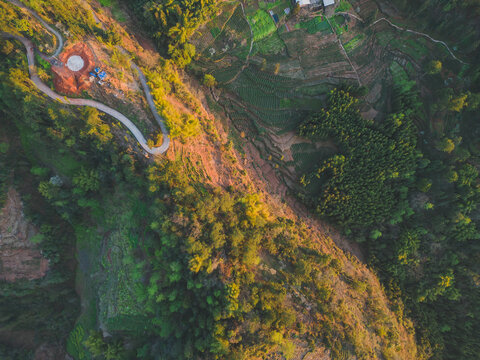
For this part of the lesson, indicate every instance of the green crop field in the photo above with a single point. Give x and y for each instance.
(315, 25)
(270, 45)
(314, 90)
(273, 5)
(226, 74)
(338, 23)
(354, 43)
(258, 98)
(384, 37)
(233, 35)
(262, 24)
(238, 24)
(215, 31)
(398, 73)
(343, 6)
(282, 120)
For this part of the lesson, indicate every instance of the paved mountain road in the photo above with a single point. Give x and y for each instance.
(29, 46)
(45, 25)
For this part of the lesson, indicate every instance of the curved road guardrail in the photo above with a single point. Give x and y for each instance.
(29, 46)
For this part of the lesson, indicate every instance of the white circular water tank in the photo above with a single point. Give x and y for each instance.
(75, 63)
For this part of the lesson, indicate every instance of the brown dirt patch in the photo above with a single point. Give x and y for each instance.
(68, 81)
(19, 257)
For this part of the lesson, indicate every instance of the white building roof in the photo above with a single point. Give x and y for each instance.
(328, 2)
(303, 2)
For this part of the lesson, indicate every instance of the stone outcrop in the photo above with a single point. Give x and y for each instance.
(73, 82)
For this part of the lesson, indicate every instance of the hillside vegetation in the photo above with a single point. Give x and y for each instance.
(170, 264)
(372, 124)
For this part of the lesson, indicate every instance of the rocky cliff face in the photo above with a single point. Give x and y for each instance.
(20, 258)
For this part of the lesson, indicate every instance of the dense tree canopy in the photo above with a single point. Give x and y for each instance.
(364, 184)
(173, 22)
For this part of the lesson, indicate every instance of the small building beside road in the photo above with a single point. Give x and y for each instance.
(329, 7)
(305, 3)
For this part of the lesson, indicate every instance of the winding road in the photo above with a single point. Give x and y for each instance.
(29, 46)
(45, 25)
(406, 30)
(421, 34)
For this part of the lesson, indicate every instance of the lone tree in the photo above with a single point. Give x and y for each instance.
(277, 68)
(209, 80)
(452, 176)
(434, 67)
(446, 145)
(458, 103)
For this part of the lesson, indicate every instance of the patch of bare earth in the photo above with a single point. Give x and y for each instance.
(19, 257)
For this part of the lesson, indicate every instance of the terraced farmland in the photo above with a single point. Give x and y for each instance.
(294, 64)
(315, 25)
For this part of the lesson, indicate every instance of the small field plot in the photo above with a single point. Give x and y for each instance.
(271, 45)
(259, 89)
(226, 74)
(275, 84)
(414, 47)
(268, 99)
(398, 73)
(282, 120)
(327, 55)
(343, 6)
(262, 24)
(315, 25)
(384, 36)
(417, 48)
(338, 23)
(364, 8)
(295, 42)
(354, 43)
(273, 5)
(235, 36)
(256, 97)
(208, 33)
(118, 296)
(278, 7)
(119, 292)
(237, 26)
(316, 89)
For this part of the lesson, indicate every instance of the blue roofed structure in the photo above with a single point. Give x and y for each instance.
(102, 75)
